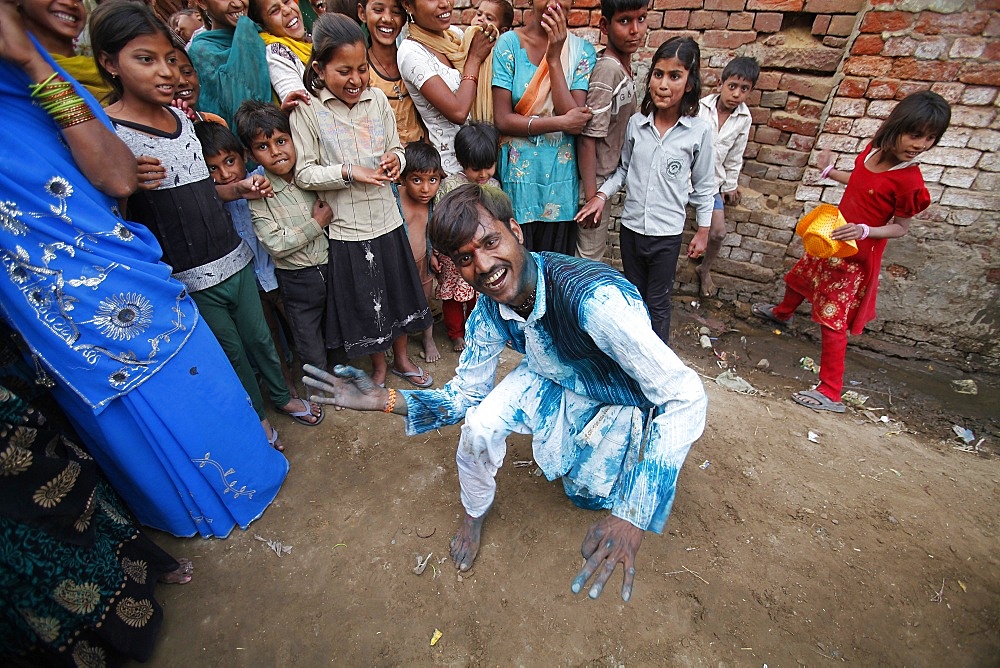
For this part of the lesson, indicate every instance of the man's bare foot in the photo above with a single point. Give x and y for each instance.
(707, 288)
(458, 345)
(180, 575)
(465, 544)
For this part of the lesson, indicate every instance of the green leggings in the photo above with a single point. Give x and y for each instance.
(233, 313)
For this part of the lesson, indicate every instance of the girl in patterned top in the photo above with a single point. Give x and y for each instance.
(178, 201)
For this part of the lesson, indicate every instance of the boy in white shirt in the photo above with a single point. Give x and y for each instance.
(729, 117)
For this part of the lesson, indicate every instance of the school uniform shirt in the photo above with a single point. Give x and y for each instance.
(327, 135)
(611, 96)
(730, 140)
(285, 226)
(670, 171)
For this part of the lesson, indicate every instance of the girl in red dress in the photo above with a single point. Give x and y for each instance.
(885, 190)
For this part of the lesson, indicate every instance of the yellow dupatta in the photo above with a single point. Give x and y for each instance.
(302, 50)
(457, 51)
(84, 70)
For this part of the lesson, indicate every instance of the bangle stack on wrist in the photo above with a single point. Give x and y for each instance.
(350, 174)
(390, 403)
(865, 231)
(60, 101)
(470, 77)
(601, 196)
(826, 172)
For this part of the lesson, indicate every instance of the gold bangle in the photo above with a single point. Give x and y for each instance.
(390, 403)
(80, 118)
(470, 77)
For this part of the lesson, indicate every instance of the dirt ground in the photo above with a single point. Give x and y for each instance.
(873, 543)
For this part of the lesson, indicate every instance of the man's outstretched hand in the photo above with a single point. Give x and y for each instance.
(346, 387)
(609, 542)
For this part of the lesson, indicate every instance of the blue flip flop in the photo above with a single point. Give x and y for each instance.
(411, 376)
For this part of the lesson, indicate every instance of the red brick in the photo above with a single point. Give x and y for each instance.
(951, 92)
(992, 52)
(753, 99)
(766, 135)
(801, 143)
(909, 88)
(782, 156)
(816, 88)
(842, 25)
(899, 46)
(675, 18)
(868, 66)
(586, 4)
(834, 6)
(992, 28)
(768, 22)
(835, 42)
(986, 74)
(776, 5)
(793, 104)
(759, 116)
(702, 20)
(852, 87)
(964, 23)
(821, 24)
(882, 89)
(793, 124)
(654, 20)
(840, 126)
(655, 39)
(924, 70)
(768, 81)
(741, 21)
(968, 47)
(886, 21)
(725, 39)
(677, 4)
(845, 106)
(809, 109)
(725, 5)
(867, 45)
(578, 18)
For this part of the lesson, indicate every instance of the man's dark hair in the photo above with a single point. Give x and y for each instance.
(477, 145)
(421, 157)
(457, 216)
(216, 138)
(743, 67)
(611, 7)
(255, 117)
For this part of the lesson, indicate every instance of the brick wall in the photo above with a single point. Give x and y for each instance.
(831, 72)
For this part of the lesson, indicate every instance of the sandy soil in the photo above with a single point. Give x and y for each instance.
(870, 544)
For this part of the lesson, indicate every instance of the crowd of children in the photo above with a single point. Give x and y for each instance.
(373, 118)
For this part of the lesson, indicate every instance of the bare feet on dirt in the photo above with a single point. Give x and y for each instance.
(458, 345)
(465, 544)
(706, 286)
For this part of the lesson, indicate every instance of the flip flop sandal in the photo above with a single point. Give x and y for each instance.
(766, 311)
(412, 376)
(300, 416)
(273, 441)
(818, 401)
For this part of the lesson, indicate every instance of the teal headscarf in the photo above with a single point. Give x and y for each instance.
(232, 68)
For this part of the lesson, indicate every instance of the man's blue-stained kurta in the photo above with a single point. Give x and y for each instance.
(589, 337)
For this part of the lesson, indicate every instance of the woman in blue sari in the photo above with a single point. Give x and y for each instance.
(144, 381)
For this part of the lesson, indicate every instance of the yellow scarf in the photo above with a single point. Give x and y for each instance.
(84, 70)
(301, 49)
(456, 51)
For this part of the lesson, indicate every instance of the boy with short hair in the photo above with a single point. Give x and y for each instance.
(226, 160)
(612, 97)
(292, 227)
(730, 119)
(418, 185)
(497, 13)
